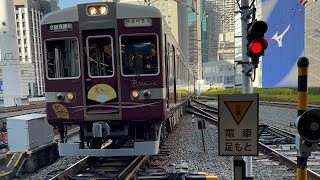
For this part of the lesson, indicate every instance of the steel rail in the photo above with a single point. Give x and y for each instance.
(135, 167)
(202, 103)
(74, 169)
(291, 164)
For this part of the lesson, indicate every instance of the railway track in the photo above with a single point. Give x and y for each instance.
(276, 143)
(101, 168)
(21, 108)
(265, 103)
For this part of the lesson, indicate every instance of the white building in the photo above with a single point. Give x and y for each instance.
(219, 73)
(28, 14)
(222, 72)
(10, 74)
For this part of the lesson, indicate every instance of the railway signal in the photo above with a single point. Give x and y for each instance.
(308, 125)
(256, 41)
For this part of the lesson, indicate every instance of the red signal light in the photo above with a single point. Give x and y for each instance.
(256, 47)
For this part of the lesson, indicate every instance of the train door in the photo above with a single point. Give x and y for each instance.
(174, 75)
(166, 57)
(101, 82)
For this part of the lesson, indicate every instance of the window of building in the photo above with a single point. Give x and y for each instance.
(20, 49)
(19, 41)
(23, 24)
(228, 80)
(23, 15)
(213, 80)
(24, 32)
(221, 68)
(219, 80)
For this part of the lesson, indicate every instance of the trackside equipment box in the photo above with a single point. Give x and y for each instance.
(28, 132)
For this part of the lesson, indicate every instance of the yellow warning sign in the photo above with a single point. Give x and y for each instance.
(238, 109)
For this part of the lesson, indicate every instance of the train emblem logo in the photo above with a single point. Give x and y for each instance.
(61, 111)
(101, 93)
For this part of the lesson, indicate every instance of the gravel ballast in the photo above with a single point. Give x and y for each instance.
(188, 147)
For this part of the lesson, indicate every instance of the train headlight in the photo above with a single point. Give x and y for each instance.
(146, 93)
(92, 10)
(135, 94)
(60, 96)
(70, 96)
(103, 10)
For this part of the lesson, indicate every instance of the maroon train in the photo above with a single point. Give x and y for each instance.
(115, 71)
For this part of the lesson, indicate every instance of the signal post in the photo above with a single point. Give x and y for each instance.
(308, 122)
(253, 46)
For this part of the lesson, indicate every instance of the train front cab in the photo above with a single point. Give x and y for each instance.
(105, 75)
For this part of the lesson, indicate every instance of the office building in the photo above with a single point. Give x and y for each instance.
(28, 14)
(220, 19)
(312, 49)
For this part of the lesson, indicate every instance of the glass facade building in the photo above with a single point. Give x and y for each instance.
(195, 37)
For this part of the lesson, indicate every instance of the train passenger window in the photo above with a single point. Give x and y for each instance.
(100, 56)
(139, 55)
(62, 58)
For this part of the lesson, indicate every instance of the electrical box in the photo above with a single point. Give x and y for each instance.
(28, 132)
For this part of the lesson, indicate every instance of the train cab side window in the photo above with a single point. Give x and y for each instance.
(62, 58)
(100, 57)
(139, 55)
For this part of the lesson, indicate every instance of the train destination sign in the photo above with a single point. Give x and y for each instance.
(138, 22)
(238, 125)
(60, 27)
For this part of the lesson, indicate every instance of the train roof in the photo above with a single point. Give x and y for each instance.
(122, 11)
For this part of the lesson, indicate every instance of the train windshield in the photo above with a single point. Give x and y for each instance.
(62, 58)
(139, 55)
(100, 56)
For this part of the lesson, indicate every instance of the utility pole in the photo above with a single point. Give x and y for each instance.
(246, 82)
(253, 46)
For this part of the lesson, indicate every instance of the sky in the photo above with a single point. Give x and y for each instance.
(70, 3)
